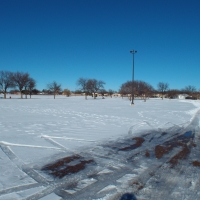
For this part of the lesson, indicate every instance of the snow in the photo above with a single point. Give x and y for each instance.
(37, 131)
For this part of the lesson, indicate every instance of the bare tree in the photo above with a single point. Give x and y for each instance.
(163, 87)
(54, 88)
(111, 92)
(198, 94)
(172, 93)
(67, 92)
(90, 86)
(189, 89)
(141, 89)
(126, 89)
(31, 86)
(82, 83)
(5, 81)
(102, 92)
(145, 90)
(95, 86)
(20, 80)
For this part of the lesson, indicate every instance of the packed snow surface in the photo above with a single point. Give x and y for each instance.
(35, 132)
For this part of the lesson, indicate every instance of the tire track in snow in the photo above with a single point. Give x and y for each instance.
(105, 182)
(99, 185)
(48, 139)
(24, 145)
(22, 166)
(20, 188)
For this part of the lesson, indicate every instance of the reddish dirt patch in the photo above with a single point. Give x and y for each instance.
(161, 150)
(179, 156)
(61, 162)
(147, 154)
(139, 141)
(180, 141)
(62, 167)
(71, 169)
(139, 185)
(196, 163)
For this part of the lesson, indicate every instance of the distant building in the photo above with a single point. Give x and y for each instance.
(116, 95)
(181, 96)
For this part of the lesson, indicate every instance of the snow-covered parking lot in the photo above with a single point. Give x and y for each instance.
(38, 131)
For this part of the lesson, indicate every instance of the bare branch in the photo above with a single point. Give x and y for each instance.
(5, 81)
(54, 87)
(20, 80)
(163, 87)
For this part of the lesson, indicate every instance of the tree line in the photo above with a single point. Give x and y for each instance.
(91, 86)
(145, 90)
(189, 90)
(19, 80)
(26, 85)
(139, 89)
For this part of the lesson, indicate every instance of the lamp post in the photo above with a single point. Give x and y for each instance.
(132, 88)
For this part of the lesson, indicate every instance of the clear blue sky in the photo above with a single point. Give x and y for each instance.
(64, 40)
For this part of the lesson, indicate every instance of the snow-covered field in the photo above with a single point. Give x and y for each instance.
(38, 131)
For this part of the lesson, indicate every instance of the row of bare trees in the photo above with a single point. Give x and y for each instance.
(140, 89)
(90, 86)
(189, 90)
(145, 90)
(26, 85)
(19, 80)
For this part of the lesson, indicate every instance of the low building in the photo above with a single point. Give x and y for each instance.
(181, 96)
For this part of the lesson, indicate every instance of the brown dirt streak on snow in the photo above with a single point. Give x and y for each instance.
(180, 141)
(147, 154)
(179, 156)
(71, 169)
(62, 168)
(161, 150)
(61, 162)
(196, 163)
(139, 141)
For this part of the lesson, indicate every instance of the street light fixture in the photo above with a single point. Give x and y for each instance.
(132, 88)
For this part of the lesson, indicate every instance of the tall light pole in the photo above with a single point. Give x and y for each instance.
(132, 88)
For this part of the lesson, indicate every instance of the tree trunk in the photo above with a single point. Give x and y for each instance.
(25, 93)
(21, 95)
(4, 95)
